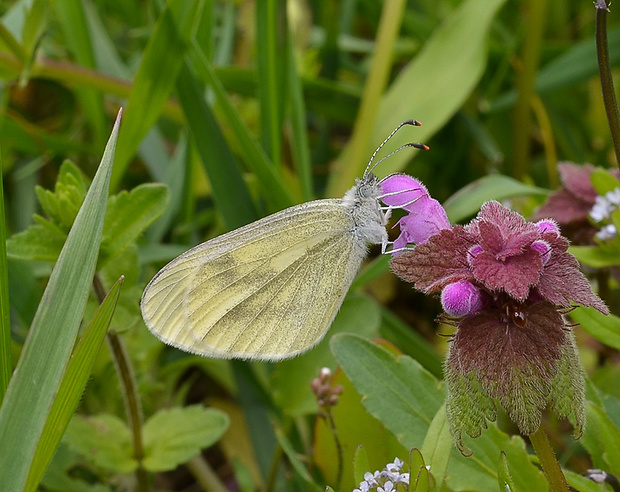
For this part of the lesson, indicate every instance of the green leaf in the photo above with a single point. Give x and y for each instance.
(174, 436)
(406, 398)
(298, 120)
(60, 476)
(103, 439)
(161, 62)
(603, 181)
(53, 331)
(357, 315)
(410, 342)
(126, 265)
(40, 242)
(503, 474)
(437, 445)
(479, 472)
(581, 483)
(605, 328)
(391, 387)
(129, 214)
(62, 204)
(467, 201)
(293, 458)
(72, 386)
(416, 463)
(602, 440)
(595, 256)
(360, 464)
(26, 292)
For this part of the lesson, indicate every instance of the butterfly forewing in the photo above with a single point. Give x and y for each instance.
(267, 291)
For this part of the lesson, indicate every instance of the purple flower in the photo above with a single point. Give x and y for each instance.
(426, 216)
(505, 283)
(461, 298)
(572, 203)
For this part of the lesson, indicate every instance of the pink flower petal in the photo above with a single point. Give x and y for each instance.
(402, 191)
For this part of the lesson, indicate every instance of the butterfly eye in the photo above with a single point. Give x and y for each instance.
(365, 191)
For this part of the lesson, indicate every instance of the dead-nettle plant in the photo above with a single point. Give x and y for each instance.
(505, 284)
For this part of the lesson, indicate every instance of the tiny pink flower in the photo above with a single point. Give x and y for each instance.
(426, 216)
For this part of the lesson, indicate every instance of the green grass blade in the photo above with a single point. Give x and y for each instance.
(271, 31)
(6, 366)
(353, 160)
(300, 146)
(229, 190)
(72, 18)
(72, 386)
(47, 349)
(156, 76)
(254, 156)
(432, 88)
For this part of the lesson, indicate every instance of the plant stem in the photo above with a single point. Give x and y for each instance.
(607, 83)
(79, 77)
(522, 118)
(331, 424)
(130, 393)
(205, 475)
(551, 467)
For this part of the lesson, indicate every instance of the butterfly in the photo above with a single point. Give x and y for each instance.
(270, 289)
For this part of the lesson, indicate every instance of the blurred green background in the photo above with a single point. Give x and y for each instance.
(243, 108)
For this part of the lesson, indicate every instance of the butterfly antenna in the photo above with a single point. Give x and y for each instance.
(416, 145)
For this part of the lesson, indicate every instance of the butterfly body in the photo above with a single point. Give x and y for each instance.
(271, 289)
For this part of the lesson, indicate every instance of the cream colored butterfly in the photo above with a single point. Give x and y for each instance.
(271, 289)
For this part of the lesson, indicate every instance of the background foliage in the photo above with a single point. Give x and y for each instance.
(241, 109)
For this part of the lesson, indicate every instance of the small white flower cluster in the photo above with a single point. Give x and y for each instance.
(386, 480)
(602, 210)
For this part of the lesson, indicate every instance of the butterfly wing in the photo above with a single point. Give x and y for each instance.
(268, 290)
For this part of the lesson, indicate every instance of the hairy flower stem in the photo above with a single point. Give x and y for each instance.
(551, 467)
(607, 84)
(130, 393)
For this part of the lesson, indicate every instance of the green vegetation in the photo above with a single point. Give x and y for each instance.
(234, 110)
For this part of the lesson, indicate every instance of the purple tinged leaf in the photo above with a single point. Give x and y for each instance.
(514, 275)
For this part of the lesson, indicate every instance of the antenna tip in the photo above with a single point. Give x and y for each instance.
(412, 122)
(420, 146)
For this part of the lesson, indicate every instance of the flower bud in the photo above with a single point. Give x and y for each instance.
(544, 248)
(461, 298)
(548, 225)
